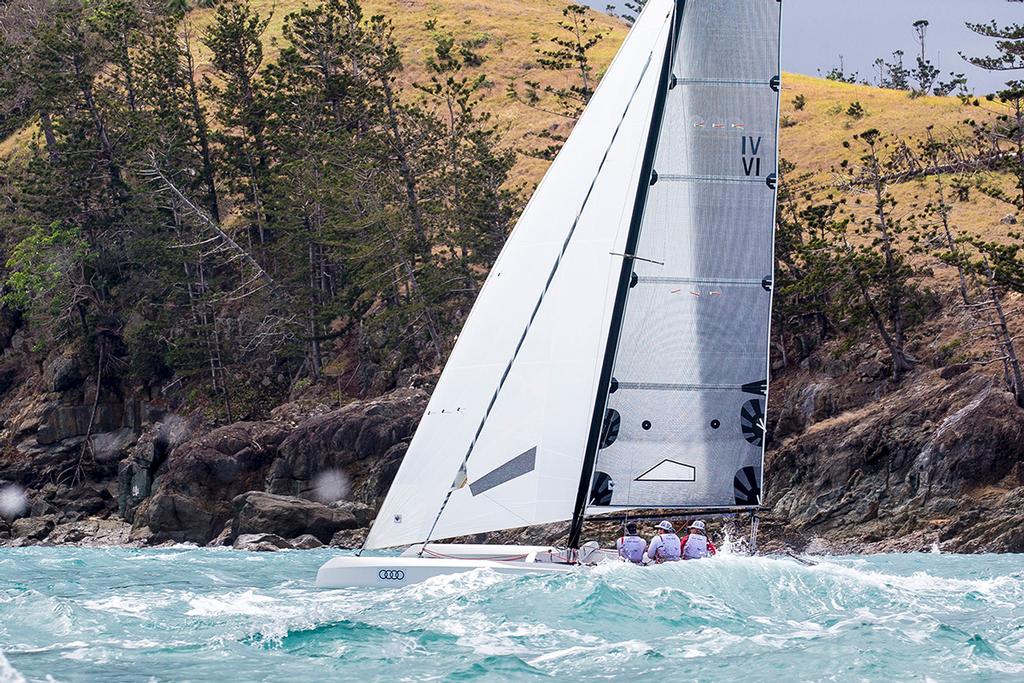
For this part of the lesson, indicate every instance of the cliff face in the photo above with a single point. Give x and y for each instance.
(858, 463)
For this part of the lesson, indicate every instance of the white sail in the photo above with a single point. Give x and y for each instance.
(684, 423)
(503, 439)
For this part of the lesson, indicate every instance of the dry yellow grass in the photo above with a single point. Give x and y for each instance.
(512, 31)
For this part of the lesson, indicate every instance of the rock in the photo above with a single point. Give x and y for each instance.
(872, 369)
(257, 512)
(352, 439)
(1009, 219)
(951, 371)
(362, 513)
(63, 373)
(112, 446)
(193, 489)
(901, 465)
(62, 422)
(261, 543)
(223, 538)
(32, 528)
(349, 538)
(141, 535)
(306, 542)
(91, 532)
(8, 376)
(135, 473)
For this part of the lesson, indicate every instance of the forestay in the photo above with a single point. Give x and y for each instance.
(503, 440)
(684, 418)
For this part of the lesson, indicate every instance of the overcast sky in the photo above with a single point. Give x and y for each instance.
(816, 32)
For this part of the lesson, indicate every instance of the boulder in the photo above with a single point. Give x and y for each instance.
(353, 439)
(350, 538)
(259, 512)
(306, 542)
(91, 533)
(62, 422)
(261, 543)
(112, 446)
(194, 487)
(32, 528)
(62, 373)
(136, 472)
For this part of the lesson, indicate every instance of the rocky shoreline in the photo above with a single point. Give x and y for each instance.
(855, 464)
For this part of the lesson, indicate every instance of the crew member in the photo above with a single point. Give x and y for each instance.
(664, 547)
(696, 544)
(630, 546)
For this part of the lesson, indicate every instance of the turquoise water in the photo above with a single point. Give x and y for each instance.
(182, 614)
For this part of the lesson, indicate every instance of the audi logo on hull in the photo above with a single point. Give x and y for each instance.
(391, 574)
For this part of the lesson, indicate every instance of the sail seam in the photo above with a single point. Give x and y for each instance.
(544, 291)
(721, 81)
(657, 280)
(712, 178)
(659, 386)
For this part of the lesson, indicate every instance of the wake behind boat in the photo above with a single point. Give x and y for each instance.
(616, 359)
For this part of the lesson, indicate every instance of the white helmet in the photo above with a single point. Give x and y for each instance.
(665, 525)
(698, 525)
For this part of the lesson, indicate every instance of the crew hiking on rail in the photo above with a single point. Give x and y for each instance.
(666, 546)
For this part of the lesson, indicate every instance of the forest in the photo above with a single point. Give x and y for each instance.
(224, 226)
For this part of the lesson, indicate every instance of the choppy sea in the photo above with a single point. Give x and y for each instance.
(189, 614)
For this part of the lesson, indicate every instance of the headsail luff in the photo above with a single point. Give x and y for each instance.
(683, 422)
(509, 416)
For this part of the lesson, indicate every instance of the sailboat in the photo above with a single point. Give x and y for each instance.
(616, 359)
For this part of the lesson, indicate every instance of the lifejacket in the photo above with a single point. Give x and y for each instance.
(668, 550)
(631, 549)
(696, 547)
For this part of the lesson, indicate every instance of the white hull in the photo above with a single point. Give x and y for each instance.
(392, 572)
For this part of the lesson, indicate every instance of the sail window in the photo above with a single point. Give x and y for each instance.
(524, 463)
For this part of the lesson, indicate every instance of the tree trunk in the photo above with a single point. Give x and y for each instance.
(51, 140)
(202, 130)
(404, 168)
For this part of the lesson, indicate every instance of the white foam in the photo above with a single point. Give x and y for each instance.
(8, 674)
(247, 603)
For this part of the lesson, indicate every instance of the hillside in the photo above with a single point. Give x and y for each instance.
(857, 460)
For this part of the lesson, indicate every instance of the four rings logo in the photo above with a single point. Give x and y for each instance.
(391, 574)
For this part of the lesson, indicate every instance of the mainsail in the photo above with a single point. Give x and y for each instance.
(682, 425)
(580, 322)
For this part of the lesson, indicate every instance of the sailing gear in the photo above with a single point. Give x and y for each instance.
(665, 525)
(664, 547)
(697, 546)
(590, 552)
(631, 547)
(699, 525)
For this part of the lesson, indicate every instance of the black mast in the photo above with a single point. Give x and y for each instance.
(646, 181)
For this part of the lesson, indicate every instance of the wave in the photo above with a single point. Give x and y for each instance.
(8, 674)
